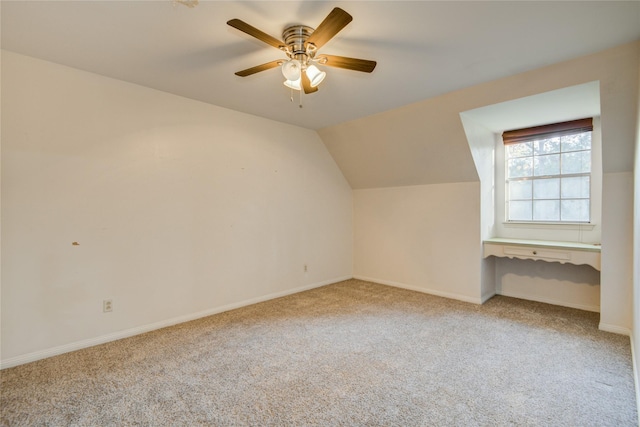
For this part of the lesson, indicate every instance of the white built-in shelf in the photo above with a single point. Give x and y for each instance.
(544, 250)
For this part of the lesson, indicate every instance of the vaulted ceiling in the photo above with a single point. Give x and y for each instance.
(396, 126)
(423, 48)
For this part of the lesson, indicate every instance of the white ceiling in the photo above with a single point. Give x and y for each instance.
(423, 48)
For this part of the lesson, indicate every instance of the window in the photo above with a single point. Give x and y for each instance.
(548, 172)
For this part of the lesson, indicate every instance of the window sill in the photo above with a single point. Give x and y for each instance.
(584, 226)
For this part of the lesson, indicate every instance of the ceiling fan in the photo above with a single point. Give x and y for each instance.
(301, 44)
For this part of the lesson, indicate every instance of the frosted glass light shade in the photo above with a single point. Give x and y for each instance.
(291, 69)
(293, 84)
(315, 75)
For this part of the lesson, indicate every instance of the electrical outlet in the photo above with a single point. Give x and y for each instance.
(107, 305)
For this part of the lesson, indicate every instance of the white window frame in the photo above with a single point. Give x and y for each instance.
(533, 178)
(578, 232)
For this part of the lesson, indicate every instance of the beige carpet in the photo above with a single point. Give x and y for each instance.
(352, 354)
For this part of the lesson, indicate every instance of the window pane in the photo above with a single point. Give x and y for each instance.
(575, 210)
(548, 179)
(547, 146)
(520, 149)
(520, 211)
(546, 210)
(576, 162)
(546, 188)
(575, 187)
(519, 190)
(520, 167)
(547, 165)
(579, 141)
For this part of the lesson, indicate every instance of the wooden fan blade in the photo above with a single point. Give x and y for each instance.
(332, 24)
(254, 32)
(258, 68)
(354, 64)
(306, 84)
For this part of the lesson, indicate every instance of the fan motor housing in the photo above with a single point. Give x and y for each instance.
(295, 37)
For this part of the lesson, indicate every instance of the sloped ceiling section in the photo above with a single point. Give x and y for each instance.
(422, 143)
(425, 142)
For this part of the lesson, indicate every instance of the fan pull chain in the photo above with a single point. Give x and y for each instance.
(300, 97)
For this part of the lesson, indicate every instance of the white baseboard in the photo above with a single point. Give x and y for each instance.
(78, 345)
(614, 329)
(449, 295)
(551, 301)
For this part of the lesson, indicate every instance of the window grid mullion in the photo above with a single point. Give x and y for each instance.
(560, 203)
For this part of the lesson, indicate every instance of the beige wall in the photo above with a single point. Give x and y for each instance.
(422, 237)
(616, 309)
(180, 209)
(481, 143)
(635, 336)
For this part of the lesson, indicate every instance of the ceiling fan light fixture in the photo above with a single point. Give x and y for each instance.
(301, 43)
(291, 69)
(315, 75)
(294, 84)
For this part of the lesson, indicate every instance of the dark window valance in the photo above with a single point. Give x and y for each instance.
(547, 131)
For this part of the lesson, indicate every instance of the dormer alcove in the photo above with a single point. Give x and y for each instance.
(512, 264)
